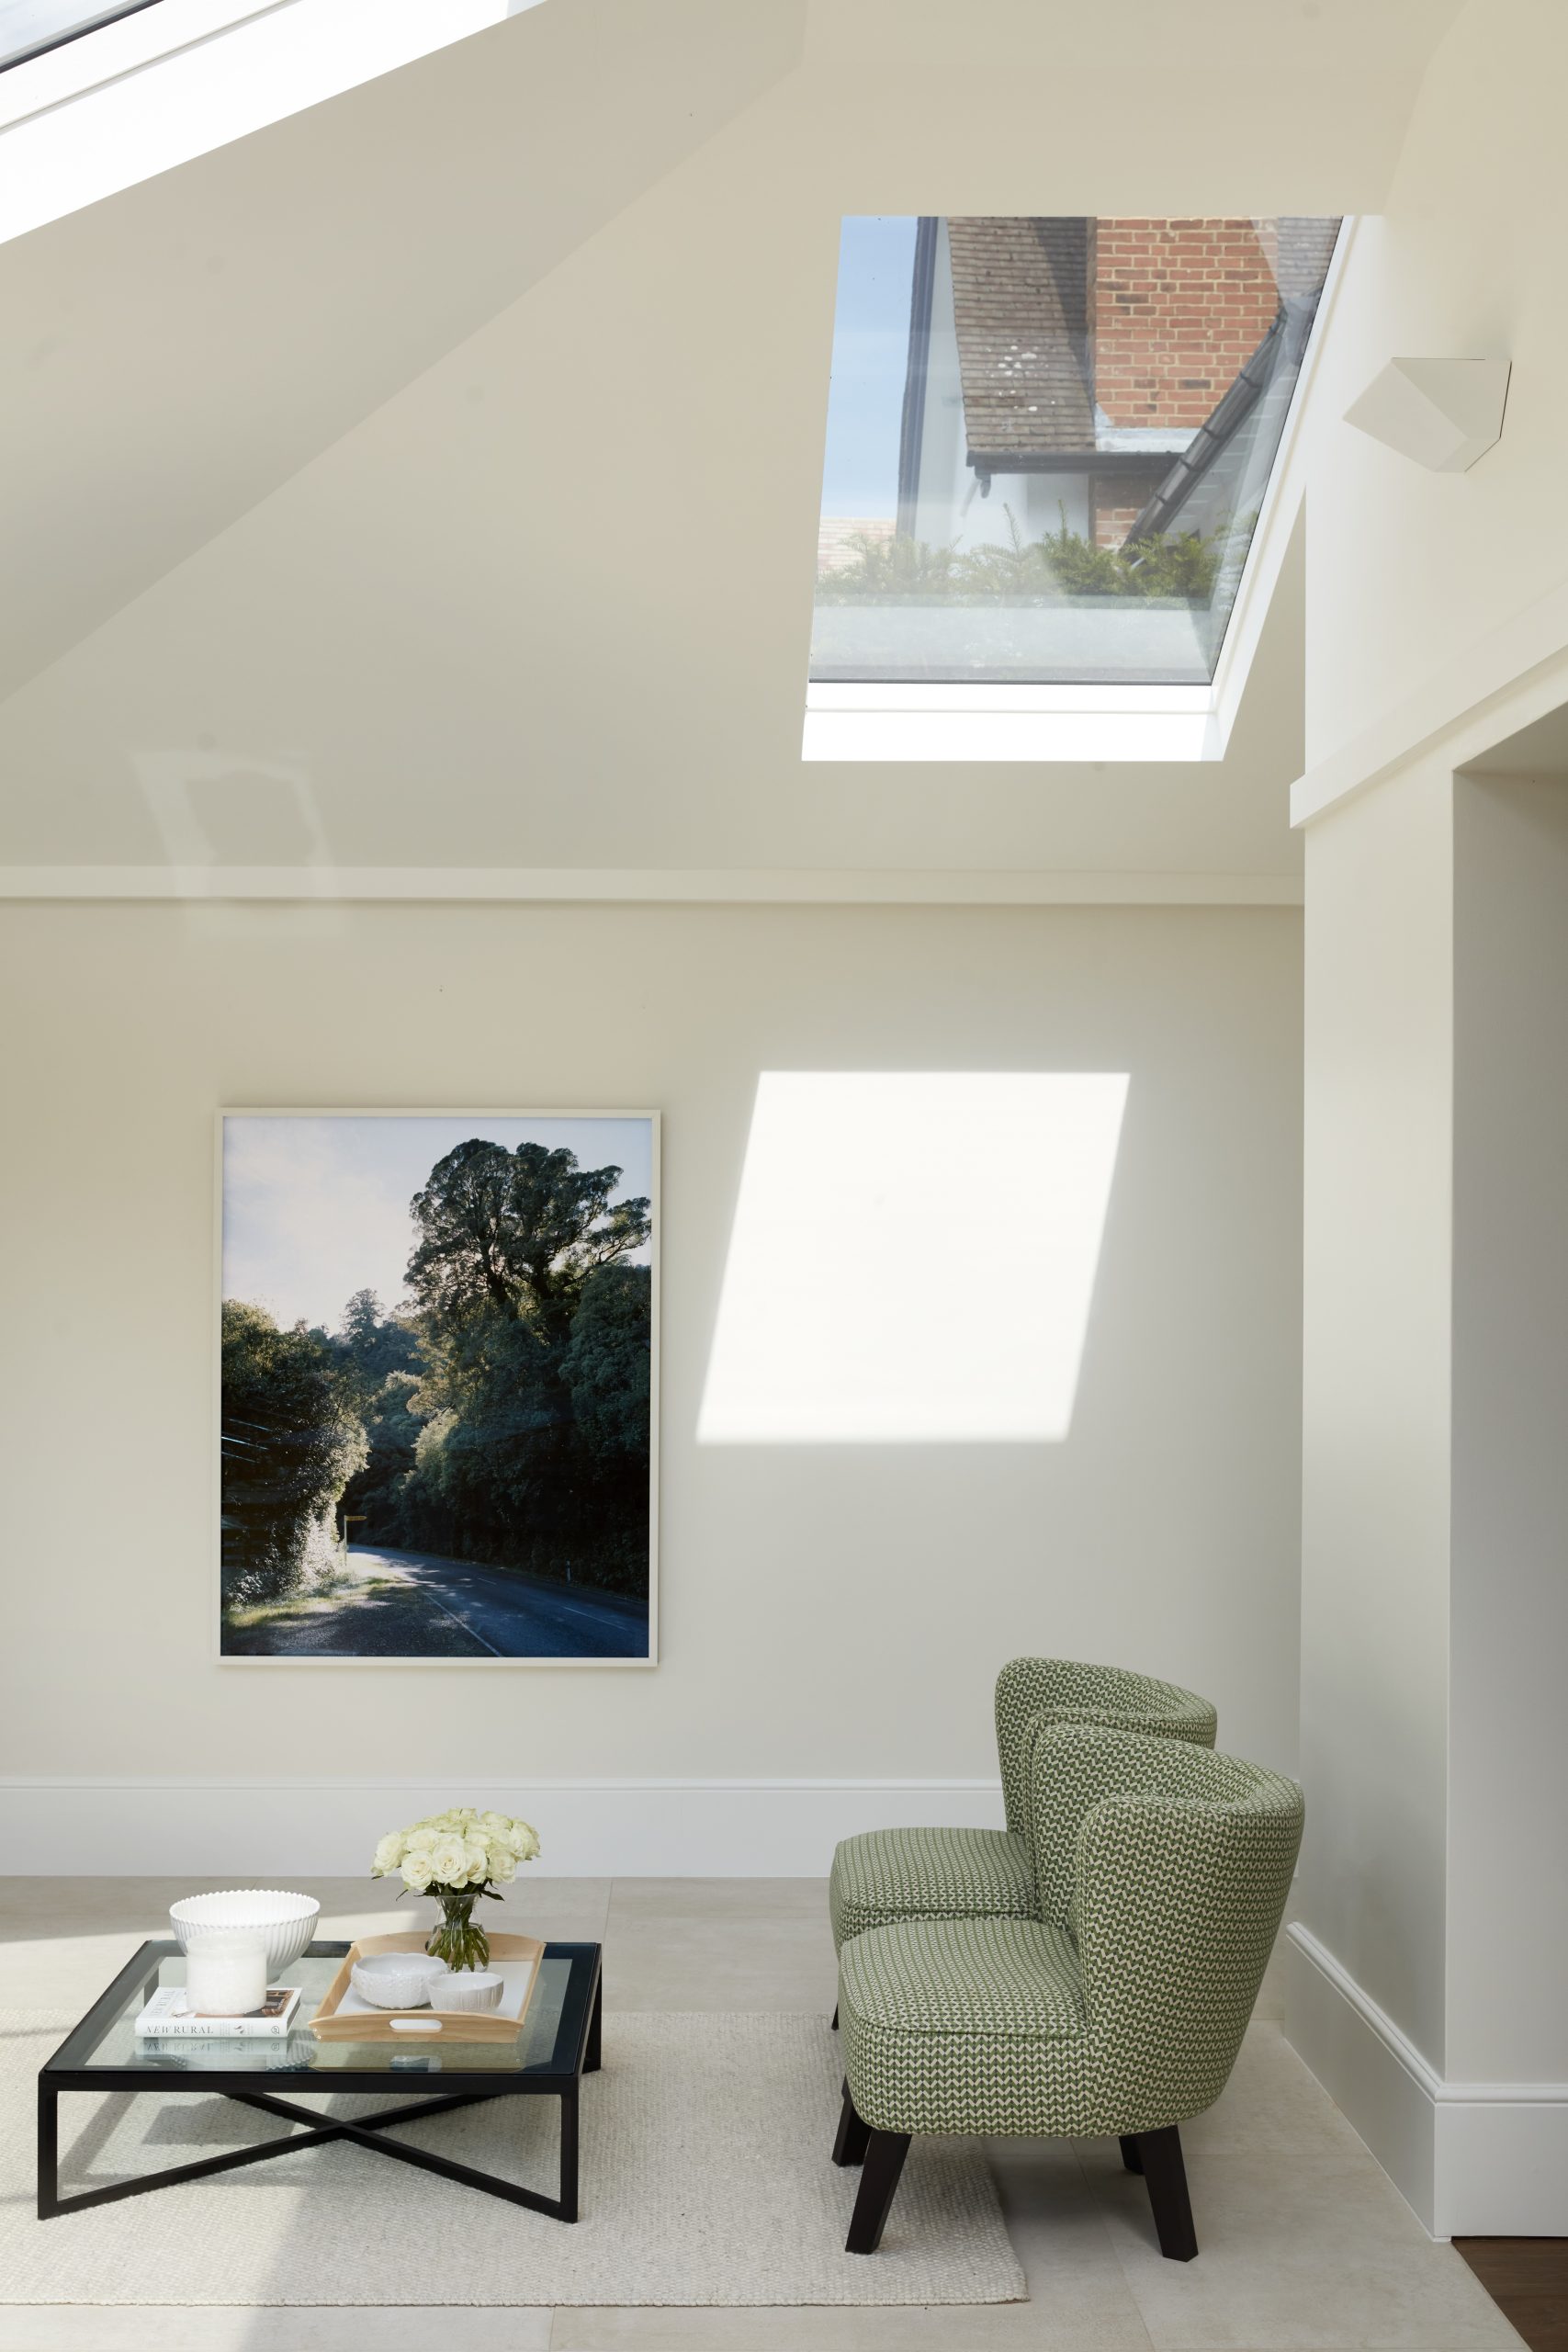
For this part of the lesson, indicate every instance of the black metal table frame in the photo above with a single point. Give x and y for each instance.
(584, 2047)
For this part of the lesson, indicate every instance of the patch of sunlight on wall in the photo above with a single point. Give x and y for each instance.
(913, 1257)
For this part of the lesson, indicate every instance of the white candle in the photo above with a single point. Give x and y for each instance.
(225, 1976)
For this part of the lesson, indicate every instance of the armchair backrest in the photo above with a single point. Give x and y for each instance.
(1170, 1867)
(1035, 1691)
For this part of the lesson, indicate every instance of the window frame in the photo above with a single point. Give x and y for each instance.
(879, 719)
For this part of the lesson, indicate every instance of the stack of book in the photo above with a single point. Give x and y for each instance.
(166, 2019)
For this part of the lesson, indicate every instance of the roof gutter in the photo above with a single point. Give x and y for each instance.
(1283, 345)
(1106, 463)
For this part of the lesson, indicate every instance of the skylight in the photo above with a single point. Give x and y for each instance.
(27, 28)
(160, 82)
(1049, 441)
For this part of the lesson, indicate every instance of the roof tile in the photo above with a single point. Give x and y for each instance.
(1020, 300)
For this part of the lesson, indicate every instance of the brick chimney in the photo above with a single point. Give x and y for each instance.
(1175, 307)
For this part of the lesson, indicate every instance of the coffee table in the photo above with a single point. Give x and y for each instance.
(558, 2045)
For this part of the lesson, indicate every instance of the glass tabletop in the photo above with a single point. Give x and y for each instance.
(547, 2047)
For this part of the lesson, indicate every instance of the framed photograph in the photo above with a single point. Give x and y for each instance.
(438, 1386)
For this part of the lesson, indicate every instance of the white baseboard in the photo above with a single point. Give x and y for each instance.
(1370, 2071)
(1473, 2159)
(164, 1826)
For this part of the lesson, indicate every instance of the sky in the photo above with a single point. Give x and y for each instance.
(871, 346)
(315, 1208)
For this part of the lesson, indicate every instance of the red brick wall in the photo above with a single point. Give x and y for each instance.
(1175, 307)
(1116, 505)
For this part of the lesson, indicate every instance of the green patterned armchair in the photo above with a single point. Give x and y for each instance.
(886, 1875)
(1161, 1874)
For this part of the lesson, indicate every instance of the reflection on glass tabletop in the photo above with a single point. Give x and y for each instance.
(546, 2048)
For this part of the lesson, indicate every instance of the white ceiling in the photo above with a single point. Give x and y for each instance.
(431, 479)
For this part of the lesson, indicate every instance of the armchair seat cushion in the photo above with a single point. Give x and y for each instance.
(887, 1875)
(995, 1976)
(964, 2025)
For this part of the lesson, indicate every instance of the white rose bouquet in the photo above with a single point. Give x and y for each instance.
(456, 1856)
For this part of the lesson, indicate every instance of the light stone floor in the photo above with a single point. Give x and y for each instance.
(1305, 2246)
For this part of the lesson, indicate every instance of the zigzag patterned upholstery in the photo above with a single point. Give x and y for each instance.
(1161, 1872)
(889, 1875)
(1035, 1691)
(886, 1876)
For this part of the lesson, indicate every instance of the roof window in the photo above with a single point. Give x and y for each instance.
(1049, 440)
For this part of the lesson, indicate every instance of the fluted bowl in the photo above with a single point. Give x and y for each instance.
(282, 1924)
(396, 1980)
(468, 1988)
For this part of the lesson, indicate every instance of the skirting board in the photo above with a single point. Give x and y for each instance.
(1472, 2159)
(152, 1825)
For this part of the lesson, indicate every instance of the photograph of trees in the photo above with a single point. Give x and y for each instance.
(436, 1376)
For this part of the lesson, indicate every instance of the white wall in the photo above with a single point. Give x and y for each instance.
(830, 1614)
(1428, 1993)
(1427, 1989)
(1508, 1742)
(1379, 1094)
(1368, 1984)
(1410, 569)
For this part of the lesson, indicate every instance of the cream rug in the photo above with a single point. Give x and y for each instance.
(705, 2178)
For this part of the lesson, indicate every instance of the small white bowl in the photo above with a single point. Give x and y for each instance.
(396, 1980)
(468, 1988)
(282, 1924)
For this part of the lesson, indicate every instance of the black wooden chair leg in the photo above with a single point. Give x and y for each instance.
(1130, 2155)
(885, 2155)
(835, 2016)
(1160, 2161)
(848, 2148)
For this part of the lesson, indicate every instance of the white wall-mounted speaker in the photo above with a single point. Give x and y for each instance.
(1443, 413)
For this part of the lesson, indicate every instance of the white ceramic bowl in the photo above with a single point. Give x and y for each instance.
(396, 1980)
(468, 1988)
(282, 1923)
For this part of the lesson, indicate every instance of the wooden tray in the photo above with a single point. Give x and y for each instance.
(431, 2024)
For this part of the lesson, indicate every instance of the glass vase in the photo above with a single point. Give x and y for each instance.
(458, 1939)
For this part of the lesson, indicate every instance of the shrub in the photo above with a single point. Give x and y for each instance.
(1063, 562)
(1182, 567)
(898, 566)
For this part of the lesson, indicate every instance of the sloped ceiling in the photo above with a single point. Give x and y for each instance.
(175, 352)
(431, 479)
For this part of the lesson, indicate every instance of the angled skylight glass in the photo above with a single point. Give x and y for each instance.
(27, 28)
(1049, 440)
